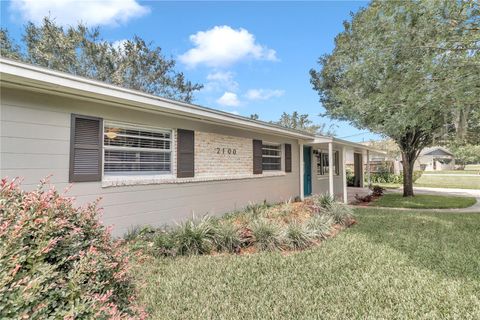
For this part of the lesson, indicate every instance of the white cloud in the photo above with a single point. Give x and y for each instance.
(217, 81)
(263, 94)
(222, 46)
(119, 44)
(89, 12)
(229, 99)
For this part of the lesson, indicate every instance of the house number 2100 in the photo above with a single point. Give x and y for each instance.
(226, 151)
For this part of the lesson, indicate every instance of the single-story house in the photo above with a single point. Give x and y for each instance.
(436, 159)
(153, 160)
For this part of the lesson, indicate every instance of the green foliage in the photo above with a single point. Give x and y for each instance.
(266, 235)
(444, 181)
(320, 225)
(467, 154)
(350, 177)
(8, 49)
(404, 69)
(392, 265)
(58, 261)
(298, 236)
(324, 200)
(262, 226)
(133, 64)
(164, 243)
(136, 232)
(385, 177)
(424, 201)
(257, 209)
(340, 212)
(195, 236)
(303, 123)
(227, 237)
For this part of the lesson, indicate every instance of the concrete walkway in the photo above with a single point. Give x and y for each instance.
(443, 191)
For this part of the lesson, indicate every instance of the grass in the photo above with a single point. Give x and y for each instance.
(442, 181)
(473, 167)
(423, 201)
(391, 265)
(453, 172)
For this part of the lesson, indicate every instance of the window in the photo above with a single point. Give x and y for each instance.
(271, 157)
(136, 150)
(323, 165)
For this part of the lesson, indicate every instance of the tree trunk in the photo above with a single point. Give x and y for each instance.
(408, 165)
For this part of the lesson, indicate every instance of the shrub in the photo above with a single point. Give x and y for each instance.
(324, 200)
(298, 236)
(227, 237)
(164, 243)
(377, 191)
(320, 225)
(386, 177)
(365, 198)
(257, 209)
(266, 235)
(341, 213)
(195, 236)
(139, 232)
(58, 261)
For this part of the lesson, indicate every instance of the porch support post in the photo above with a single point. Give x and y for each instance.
(301, 168)
(330, 169)
(368, 168)
(344, 174)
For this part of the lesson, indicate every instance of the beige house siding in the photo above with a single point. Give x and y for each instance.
(35, 143)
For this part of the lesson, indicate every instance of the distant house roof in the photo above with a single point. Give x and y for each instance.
(436, 151)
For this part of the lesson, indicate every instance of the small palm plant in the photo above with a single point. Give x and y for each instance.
(266, 235)
(227, 237)
(298, 236)
(341, 213)
(195, 236)
(320, 225)
(324, 200)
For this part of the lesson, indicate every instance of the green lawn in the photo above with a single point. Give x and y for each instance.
(453, 172)
(474, 167)
(442, 181)
(423, 201)
(391, 265)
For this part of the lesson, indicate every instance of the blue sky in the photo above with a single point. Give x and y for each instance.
(252, 57)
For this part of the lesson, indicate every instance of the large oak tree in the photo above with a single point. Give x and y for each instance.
(406, 70)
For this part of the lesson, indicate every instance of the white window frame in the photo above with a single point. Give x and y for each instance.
(336, 162)
(107, 123)
(279, 145)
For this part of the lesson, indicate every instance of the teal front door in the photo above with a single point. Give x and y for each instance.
(307, 171)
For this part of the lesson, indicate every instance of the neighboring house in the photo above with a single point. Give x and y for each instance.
(435, 159)
(430, 159)
(153, 160)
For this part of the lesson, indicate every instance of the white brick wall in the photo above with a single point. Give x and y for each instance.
(219, 155)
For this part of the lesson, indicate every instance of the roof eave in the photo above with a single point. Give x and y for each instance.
(37, 78)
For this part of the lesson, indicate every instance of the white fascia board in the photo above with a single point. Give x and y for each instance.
(357, 146)
(26, 75)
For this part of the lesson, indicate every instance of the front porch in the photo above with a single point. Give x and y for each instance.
(323, 168)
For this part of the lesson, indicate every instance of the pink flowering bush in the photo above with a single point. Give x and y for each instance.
(58, 261)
